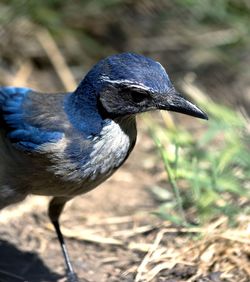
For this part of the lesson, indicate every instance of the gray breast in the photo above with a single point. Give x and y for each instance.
(96, 162)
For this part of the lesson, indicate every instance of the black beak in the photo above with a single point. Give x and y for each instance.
(175, 102)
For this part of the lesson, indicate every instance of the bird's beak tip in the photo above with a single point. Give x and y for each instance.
(205, 116)
(196, 112)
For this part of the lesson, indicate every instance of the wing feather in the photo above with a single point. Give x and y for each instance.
(13, 119)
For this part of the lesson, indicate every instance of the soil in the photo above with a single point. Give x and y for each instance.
(29, 249)
(109, 233)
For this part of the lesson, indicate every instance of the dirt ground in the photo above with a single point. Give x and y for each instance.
(112, 235)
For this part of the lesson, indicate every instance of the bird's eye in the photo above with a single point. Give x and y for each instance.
(135, 95)
(138, 97)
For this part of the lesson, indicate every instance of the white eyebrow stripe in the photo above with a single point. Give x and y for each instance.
(125, 81)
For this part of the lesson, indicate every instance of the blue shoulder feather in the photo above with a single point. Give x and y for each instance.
(20, 132)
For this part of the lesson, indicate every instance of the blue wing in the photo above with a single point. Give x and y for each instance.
(15, 120)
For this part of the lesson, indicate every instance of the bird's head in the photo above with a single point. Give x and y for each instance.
(129, 83)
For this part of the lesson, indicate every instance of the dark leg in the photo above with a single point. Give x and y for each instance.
(55, 208)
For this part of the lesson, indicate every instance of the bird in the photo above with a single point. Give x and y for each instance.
(66, 144)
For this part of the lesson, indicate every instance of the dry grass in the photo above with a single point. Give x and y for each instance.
(215, 251)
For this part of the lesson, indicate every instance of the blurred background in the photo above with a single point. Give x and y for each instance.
(179, 209)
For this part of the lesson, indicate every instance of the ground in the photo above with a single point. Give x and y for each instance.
(112, 235)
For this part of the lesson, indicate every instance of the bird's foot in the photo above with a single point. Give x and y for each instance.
(72, 277)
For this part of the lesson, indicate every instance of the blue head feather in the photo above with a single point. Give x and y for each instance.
(131, 69)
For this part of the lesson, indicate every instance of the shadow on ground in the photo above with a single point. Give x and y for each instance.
(17, 265)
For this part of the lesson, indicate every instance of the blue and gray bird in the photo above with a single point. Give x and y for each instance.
(66, 144)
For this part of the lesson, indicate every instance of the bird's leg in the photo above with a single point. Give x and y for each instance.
(55, 208)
